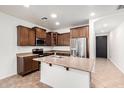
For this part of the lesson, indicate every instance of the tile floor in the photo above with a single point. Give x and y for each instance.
(106, 75)
(28, 81)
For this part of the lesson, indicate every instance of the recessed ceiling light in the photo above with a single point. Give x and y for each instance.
(26, 6)
(53, 15)
(92, 14)
(105, 25)
(57, 23)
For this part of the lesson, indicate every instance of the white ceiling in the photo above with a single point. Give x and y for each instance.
(68, 15)
(112, 22)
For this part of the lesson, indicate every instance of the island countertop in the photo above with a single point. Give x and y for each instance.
(83, 64)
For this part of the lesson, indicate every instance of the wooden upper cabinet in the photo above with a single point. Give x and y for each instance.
(87, 31)
(55, 38)
(22, 35)
(27, 36)
(64, 39)
(40, 33)
(52, 38)
(48, 38)
(60, 40)
(31, 37)
(79, 32)
(74, 33)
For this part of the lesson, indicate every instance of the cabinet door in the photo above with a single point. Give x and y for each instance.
(87, 31)
(55, 38)
(22, 36)
(43, 33)
(66, 39)
(40, 33)
(27, 64)
(74, 33)
(79, 32)
(60, 40)
(48, 39)
(35, 64)
(31, 39)
(84, 31)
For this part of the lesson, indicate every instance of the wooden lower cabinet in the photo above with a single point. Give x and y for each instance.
(26, 65)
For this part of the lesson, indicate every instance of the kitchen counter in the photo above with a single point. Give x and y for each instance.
(66, 71)
(58, 52)
(25, 54)
(84, 64)
(45, 53)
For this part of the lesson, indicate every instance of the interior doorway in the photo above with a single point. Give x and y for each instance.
(101, 46)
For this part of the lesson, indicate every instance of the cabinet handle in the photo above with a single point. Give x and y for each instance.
(67, 68)
(50, 64)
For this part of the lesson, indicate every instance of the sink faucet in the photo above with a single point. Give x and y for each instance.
(54, 53)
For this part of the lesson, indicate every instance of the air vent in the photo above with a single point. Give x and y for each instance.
(120, 7)
(44, 19)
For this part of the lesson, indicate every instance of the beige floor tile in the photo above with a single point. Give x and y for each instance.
(106, 75)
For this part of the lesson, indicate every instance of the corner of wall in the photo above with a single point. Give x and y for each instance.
(116, 65)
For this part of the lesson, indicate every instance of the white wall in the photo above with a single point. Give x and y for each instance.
(64, 30)
(64, 48)
(92, 40)
(116, 46)
(8, 44)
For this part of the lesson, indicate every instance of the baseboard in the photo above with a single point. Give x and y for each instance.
(122, 70)
(9, 75)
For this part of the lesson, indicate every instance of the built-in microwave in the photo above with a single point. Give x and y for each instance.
(40, 41)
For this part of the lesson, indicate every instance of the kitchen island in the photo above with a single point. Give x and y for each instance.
(66, 71)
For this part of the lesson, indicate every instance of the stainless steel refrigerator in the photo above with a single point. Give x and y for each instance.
(78, 47)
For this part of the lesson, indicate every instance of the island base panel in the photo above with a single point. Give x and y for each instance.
(58, 77)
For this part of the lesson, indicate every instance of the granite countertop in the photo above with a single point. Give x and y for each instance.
(51, 51)
(31, 54)
(25, 54)
(57, 51)
(83, 64)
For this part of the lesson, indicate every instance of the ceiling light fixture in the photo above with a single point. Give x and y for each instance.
(26, 6)
(53, 15)
(92, 14)
(57, 23)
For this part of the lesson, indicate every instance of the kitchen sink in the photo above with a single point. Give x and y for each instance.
(56, 56)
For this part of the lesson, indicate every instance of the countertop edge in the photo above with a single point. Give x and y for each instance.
(35, 59)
